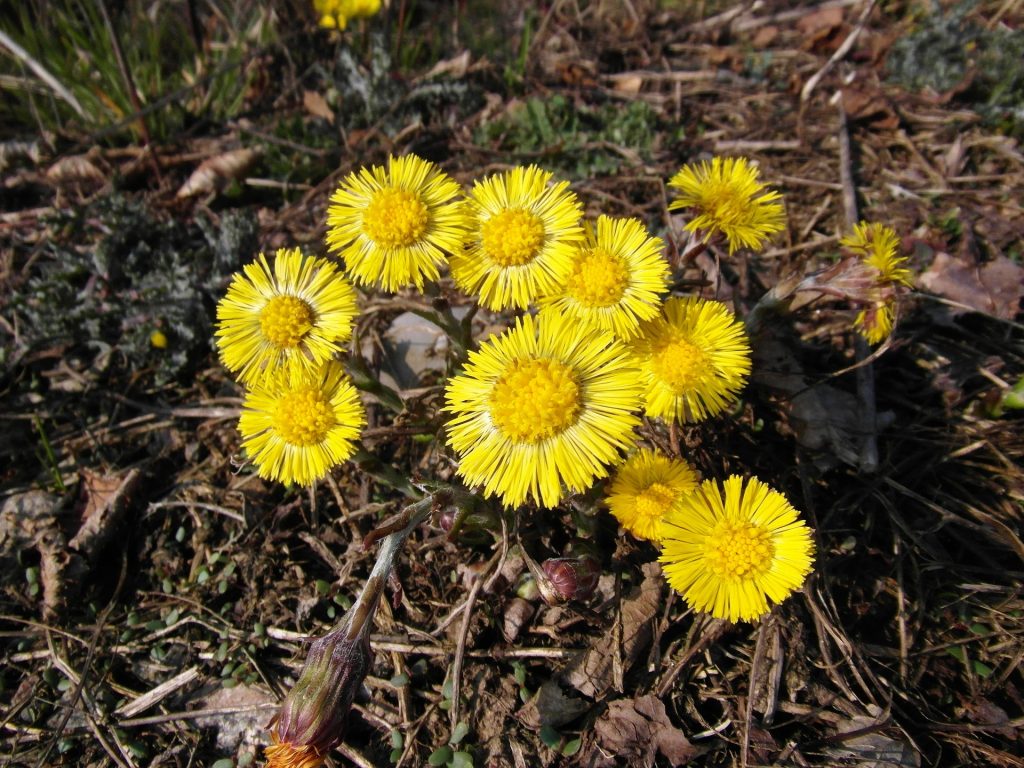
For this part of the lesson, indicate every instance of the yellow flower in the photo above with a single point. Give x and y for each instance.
(695, 358)
(617, 277)
(875, 323)
(728, 550)
(334, 14)
(729, 199)
(393, 227)
(295, 427)
(878, 246)
(523, 238)
(645, 488)
(284, 754)
(541, 406)
(296, 315)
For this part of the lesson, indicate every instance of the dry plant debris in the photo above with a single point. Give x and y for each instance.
(156, 600)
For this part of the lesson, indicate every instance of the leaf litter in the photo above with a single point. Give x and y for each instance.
(921, 609)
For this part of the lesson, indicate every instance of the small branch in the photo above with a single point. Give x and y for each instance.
(867, 408)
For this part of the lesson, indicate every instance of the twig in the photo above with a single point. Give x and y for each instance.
(868, 459)
(460, 651)
(841, 51)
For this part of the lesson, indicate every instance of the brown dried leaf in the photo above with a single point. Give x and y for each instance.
(317, 106)
(993, 288)
(104, 501)
(517, 615)
(593, 672)
(819, 24)
(75, 169)
(215, 172)
(456, 67)
(634, 730)
(868, 746)
(550, 706)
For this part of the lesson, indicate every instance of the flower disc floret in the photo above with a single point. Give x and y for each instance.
(298, 425)
(695, 359)
(535, 399)
(542, 410)
(521, 244)
(728, 198)
(645, 488)
(394, 227)
(730, 549)
(616, 278)
(296, 314)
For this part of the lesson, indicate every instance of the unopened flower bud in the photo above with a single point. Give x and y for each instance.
(469, 519)
(312, 716)
(568, 578)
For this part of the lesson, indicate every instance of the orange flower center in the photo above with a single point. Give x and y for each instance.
(395, 218)
(535, 399)
(512, 237)
(285, 321)
(303, 416)
(598, 279)
(737, 550)
(681, 364)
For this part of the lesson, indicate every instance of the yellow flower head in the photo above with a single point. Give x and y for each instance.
(523, 239)
(617, 277)
(334, 14)
(694, 358)
(296, 315)
(394, 226)
(297, 426)
(730, 549)
(543, 405)
(645, 488)
(729, 199)
(879, 246)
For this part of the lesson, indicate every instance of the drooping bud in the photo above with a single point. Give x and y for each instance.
(568, 578)
(312, 717)
(469, 519)
(313, 714)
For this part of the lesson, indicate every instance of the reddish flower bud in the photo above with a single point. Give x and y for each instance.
(568, 578)
(312, 716)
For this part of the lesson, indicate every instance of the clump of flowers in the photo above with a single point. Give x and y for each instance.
(335, 14)
(728, 200)
(730, 549)
(877, 247)
(540, 412)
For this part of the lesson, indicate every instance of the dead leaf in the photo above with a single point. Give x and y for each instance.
(104, 499)
(993, 288)
(551, 706)
(517, 614)
(870, 747)
(317, 106)
(215, 172)
(635, 730)
(819, 24)
(628, 84)
(455, 67)
(992, 716)
(75, 169)
(593, 671)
